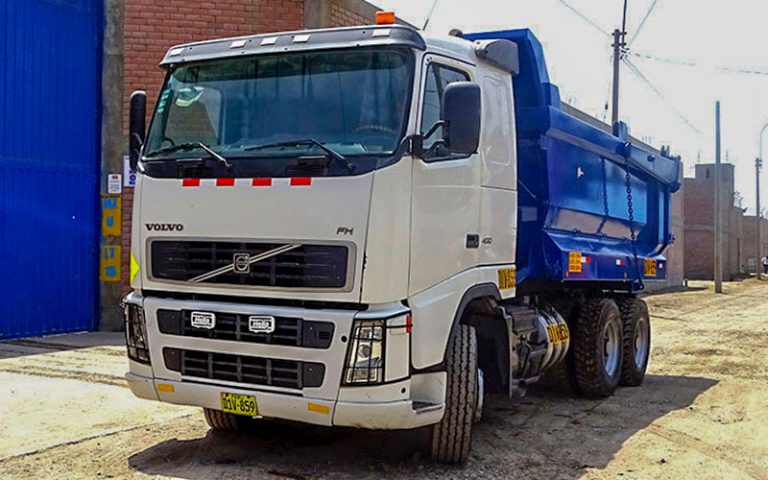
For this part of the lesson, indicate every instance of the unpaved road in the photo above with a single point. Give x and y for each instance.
(702, 413)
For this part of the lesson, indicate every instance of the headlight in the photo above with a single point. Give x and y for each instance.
(136, 333)
(365, 356)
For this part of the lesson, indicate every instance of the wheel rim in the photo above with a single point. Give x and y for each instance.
(642, 341)
(611, 345)
(480, 395)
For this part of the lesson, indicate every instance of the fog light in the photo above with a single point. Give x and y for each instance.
(136, 333)
(365, 357)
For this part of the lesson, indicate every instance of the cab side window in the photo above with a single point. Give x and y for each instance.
(438, 77)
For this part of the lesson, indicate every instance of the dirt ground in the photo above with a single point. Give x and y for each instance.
(702, 413)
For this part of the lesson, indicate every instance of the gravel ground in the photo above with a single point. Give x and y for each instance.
(702, 413)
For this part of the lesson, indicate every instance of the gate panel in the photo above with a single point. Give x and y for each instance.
(50, 102)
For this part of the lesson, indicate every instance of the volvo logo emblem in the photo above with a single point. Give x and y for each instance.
(241, 263)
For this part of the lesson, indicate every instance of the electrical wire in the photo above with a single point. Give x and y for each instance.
(633, 68)
(584, 17)
(642, 23)
(692, 63)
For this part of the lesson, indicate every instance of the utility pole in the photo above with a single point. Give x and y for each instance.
(618, 45)
(759, 246)
(758, 250)
(718, 217)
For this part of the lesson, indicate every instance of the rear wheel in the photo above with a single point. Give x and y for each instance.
(597, 347)
(218, 420)
(452, 437)
(637, 341)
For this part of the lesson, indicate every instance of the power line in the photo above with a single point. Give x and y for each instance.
(642, 22)
(660, 94)
(693, 63)
(585, 18)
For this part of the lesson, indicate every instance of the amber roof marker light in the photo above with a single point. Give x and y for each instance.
(385, 18)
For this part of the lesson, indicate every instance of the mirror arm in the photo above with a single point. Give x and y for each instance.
(433, 148)
(433, 129)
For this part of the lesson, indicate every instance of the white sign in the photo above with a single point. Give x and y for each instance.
(129, 176)
(114, 183)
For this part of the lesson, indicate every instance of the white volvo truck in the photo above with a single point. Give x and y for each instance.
(328, 228)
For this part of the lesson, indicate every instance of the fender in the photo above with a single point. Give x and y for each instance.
(482, 290)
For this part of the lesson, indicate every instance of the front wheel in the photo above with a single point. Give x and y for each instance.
(223, 421)
(452, 437)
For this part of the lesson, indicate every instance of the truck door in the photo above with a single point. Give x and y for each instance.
(446, 200)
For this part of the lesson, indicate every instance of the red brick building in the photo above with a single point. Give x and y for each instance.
(138, 34)
(700, 220)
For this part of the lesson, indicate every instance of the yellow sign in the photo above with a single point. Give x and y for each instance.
(649, 267)
(109, 265)
(239, 404)
(111, 215)
(558, 333)
(507, 278)
(574, 262)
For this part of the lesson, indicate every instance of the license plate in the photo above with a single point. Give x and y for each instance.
(239, 404)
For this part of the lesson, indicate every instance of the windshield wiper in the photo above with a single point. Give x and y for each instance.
(190, 146)
(312, 142)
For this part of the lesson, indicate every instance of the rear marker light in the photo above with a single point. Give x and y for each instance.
(619, 262)
(409, 323)
(190, 182)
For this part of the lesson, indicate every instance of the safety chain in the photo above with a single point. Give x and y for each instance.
(605, 199)
(631, 212)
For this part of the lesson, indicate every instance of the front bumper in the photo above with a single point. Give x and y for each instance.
(402, 401)
(389, 415)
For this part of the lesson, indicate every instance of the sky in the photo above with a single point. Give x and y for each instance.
(697, 40)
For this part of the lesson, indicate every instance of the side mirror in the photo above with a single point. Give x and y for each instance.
(137, 126)
(462, 113)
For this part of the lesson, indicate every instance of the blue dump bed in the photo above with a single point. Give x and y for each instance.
(575, 223)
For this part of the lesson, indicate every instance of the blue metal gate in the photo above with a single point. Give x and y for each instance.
(50, 104)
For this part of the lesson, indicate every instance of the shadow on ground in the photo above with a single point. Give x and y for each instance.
(549, 433)
(60, 343)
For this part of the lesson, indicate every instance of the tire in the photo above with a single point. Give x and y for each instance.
(452, 437)
(637, 341)
(597, 348)
(222, 421)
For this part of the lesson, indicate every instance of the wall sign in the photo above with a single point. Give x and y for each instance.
(129, 176)
(111, 215)
(109, 264)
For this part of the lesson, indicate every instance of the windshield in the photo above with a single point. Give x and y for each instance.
(353, 101)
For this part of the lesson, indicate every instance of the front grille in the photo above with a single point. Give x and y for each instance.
(306, 266)
(234, 327)
(244, 369)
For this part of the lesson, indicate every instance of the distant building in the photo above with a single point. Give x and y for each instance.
(700, 225)
(750, 238)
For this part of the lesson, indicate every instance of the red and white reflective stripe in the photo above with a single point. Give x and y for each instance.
(261, 182)
(190, 182)
(301, 181)
(619, 262)
(255, 182)
(585, 259)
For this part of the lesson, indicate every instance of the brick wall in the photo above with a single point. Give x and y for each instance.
(341, 16)
(151, 27)
(699, 240)
(750, 238)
